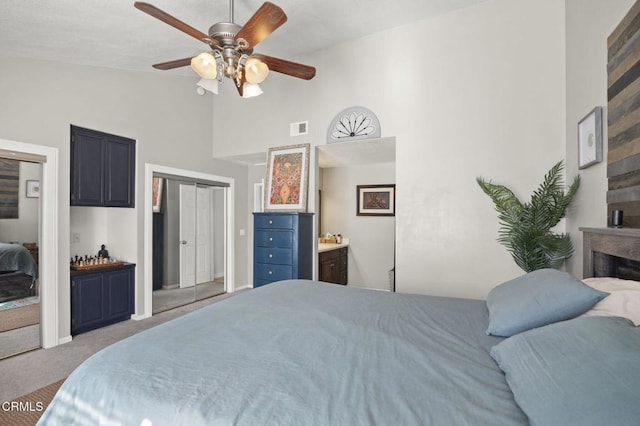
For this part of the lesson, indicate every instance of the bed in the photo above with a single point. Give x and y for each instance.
(18, 272)
(302, 352)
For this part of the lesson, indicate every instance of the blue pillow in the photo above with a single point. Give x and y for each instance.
(538, 298)
(584, 371)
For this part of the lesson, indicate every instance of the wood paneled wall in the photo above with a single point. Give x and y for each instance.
(623, 94)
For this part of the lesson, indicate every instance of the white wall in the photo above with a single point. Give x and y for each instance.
(256, 175)
(371, 239)
(163, 113)
(588, 24)
(91, 227)
(24, 229)
(479, 91)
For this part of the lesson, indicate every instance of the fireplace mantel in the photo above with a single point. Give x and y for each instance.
(602, 245)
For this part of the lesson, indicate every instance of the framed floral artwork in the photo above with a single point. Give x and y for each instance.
(156, 196)
(287, 178)
(376, 200)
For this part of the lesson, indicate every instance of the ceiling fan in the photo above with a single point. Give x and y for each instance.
(231, 53)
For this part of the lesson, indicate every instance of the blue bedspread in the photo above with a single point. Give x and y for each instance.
(299, 353)
(14, 257)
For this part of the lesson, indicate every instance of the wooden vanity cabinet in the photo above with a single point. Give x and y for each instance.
(333, 266)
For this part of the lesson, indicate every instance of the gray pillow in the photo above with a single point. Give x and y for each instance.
(578, 372)
(538, 298)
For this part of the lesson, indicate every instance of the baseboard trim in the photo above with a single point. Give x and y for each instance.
(136, 317)
(66, 339)
(244, 287)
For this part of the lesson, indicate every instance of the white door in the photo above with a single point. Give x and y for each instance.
(203, 236)
(195, 236)
(187, 235)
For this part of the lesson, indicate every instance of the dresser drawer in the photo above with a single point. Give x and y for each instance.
(265, 271)
(268, 221)
(264, 238)
(281, 256)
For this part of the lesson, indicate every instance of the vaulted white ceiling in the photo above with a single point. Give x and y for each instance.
(112, 33)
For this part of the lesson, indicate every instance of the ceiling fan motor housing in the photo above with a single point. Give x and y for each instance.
(224, 33)
(231, 50)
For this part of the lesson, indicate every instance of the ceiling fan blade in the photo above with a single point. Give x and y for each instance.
(174, 22)
(293, 69)
(173, 64)
(266, 20)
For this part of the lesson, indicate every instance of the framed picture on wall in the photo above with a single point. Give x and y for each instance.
(590, 139)
(33, 188)
(156, 195)
(287, 179)
(376, 200)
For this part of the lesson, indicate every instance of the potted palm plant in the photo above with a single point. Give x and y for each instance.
(526, 228)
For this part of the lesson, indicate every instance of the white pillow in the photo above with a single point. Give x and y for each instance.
(623, 299)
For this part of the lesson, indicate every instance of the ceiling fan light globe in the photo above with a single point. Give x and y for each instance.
(249, 90)
(255, 71)
(205, 65)
(208, 85)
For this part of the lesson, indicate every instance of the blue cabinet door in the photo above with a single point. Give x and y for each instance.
(118, 294)
(87, 168)
(119, 172)
(87, 309)
(102, 169)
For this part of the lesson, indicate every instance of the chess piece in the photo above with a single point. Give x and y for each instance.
(103, 251)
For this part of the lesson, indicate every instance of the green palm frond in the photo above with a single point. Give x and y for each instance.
(526, 228)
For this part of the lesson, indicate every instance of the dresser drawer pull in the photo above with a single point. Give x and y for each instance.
(270, 256)
(270, 272)
(270, 238)
(270, 222)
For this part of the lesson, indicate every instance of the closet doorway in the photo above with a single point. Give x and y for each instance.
(189, 239)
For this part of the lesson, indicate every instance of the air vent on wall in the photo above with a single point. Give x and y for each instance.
(301, 128)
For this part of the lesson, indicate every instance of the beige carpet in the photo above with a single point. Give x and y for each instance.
(27, 409)
(27, 372)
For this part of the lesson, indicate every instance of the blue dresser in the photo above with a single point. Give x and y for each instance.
(282, 247)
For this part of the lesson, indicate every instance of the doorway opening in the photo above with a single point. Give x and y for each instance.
(190, 239)
(346, 165)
